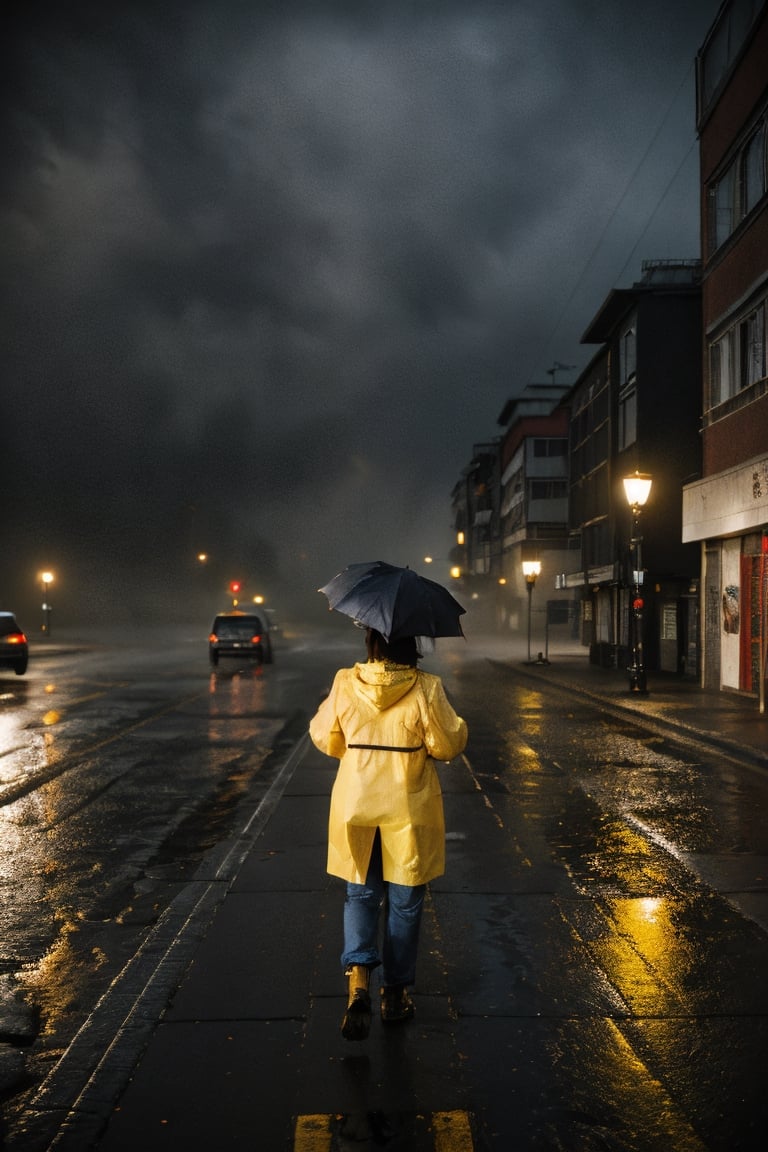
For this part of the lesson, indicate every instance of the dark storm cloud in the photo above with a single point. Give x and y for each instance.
(270, 270)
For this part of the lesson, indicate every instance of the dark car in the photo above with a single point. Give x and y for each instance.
(240, 634)
(14, 649)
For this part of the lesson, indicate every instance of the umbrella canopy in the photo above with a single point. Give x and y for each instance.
(395, 601)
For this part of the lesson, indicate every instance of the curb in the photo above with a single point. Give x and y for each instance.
(676, 729)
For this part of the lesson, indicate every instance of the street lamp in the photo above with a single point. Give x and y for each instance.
(46, 579)
(637, 488)
(531, 569)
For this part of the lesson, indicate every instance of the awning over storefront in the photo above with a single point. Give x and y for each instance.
(728, 504)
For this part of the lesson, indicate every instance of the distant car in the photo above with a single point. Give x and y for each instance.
(14, 649)
(240, 634)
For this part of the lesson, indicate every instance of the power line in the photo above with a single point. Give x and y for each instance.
(593, 255)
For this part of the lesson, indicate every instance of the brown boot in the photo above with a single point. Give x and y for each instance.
(357, 1019)
(396, 1005)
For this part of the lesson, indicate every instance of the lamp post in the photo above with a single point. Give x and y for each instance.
(46, 580)
(531, 569)
(637, 489)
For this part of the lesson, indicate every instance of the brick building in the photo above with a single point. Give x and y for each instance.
(726, 510)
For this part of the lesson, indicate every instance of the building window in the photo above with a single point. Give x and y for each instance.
(752, 348)
(549, 489)
(721, 374)
(753, 171)
(627, 356)
(512, 494)
(740, 188)
(730, 32)
(737, 359)
(628, 418)
(627, 430)
(723, 215)
(550, 447)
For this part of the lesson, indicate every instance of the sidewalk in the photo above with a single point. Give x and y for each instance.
(227, 1031)
(730, 720)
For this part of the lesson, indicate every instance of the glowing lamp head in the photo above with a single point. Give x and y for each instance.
(637, 489)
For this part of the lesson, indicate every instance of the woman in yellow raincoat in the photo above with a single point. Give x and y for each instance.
(387, 722)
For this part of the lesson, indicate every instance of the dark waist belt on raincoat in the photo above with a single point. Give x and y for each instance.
(386, 747)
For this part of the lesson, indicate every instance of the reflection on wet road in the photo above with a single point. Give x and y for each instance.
(119, 769)
(592, 968)
(611, 964)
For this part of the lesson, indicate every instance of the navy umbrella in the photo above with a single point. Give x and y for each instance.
(395, 601)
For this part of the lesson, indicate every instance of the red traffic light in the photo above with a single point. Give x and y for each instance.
(234, 587)
(637, 604)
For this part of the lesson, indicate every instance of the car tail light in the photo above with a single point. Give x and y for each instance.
(213, 638)
(16, 638)
(256, 639)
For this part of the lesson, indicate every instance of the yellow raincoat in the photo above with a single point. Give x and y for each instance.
(387, 723)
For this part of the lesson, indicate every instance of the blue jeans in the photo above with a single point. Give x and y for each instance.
(402, 907)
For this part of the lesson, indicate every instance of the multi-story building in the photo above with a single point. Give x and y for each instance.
(475, 505)
(533, 499)
(726, 511)
(634, 409)
(511, 505)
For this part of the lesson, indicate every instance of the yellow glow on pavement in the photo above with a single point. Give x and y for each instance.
(451, 1130)
(313, 1134)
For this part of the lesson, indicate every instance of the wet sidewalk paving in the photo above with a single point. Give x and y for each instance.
(729, 718)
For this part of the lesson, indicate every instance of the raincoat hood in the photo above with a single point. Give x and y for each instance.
(383, 683)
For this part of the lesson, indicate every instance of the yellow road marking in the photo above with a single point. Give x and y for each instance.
(313, 1134)
(451, 1130)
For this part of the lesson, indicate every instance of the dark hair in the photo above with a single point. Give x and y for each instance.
(400, 651)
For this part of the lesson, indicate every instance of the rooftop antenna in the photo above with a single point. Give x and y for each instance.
(558, 367)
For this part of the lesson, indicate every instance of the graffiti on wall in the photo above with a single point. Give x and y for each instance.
(760, 481)
(731, 609)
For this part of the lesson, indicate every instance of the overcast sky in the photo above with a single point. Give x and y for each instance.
(271, 269)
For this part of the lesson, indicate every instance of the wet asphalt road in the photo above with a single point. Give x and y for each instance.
(629, 937)
(122, 761)
(605, 940)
